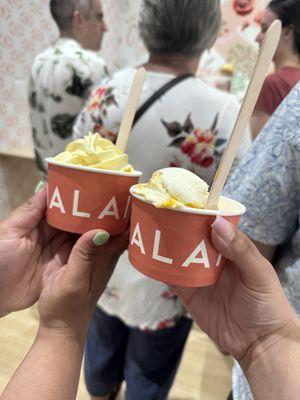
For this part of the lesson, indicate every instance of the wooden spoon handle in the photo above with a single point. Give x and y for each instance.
(263, 62)
(130, 109)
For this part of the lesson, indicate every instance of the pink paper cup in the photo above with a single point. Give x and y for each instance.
(81, 198)
(174, 246)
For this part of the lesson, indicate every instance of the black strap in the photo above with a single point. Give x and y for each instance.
(156, 95)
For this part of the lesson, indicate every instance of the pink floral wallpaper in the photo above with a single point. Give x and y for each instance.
(25, 29)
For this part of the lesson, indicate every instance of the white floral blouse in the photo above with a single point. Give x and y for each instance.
(62, 78)
(187, 127)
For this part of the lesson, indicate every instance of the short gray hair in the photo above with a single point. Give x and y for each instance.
(185, 27)
(63, 10)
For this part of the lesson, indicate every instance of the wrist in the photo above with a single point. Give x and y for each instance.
(61, 337)
(271, 355)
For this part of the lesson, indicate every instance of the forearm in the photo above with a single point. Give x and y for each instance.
(274, 372)
(49, 371)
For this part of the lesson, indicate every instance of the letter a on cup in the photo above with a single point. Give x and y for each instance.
(192, 259)
(56, 201)
(110, 210)
(137, 238)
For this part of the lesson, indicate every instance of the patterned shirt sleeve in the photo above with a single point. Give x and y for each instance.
(93, 117)
(267, 180)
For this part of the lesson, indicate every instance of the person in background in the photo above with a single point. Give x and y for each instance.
(63, 75)
(267, 182)
(132, 332)
(286, 60)
(249, 316)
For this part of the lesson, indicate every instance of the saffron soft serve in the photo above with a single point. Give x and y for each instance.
(174, 188)
(95, 152)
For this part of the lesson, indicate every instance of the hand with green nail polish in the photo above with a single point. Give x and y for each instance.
(35, 257)
(41, 263)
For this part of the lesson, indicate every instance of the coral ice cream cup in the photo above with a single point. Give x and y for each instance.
(81, 198)
(174, 245)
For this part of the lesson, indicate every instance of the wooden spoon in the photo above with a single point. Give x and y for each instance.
(130, 109)
(262, 65)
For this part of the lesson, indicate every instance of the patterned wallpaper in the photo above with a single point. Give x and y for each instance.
(21, 37)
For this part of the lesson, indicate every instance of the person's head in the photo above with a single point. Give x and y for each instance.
(288, 12)
(81, 19)
(179, 27)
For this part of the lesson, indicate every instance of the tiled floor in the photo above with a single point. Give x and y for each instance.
(204, 374)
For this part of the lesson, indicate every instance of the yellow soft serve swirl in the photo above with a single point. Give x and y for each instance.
(95, 152)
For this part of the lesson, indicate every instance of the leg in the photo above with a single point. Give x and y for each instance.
(104, 355)
(112, 396)
(152, 359)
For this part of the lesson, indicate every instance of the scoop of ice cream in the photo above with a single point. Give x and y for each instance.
(95, 152)
(174, 188)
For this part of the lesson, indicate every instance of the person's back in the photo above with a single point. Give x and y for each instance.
(63, 76)
(186, 127)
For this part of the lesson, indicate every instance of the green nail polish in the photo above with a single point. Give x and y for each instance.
(39, 186)
(100, 238)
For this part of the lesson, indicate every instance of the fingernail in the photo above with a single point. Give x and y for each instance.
(39, 186)
(101, 238)
(223, 228)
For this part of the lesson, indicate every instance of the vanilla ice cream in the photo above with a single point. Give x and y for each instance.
(174, 188)
(95, 152)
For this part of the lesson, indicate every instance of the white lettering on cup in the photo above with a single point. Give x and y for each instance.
(201, 248)
(110, 210)
(75, 211)
(127, 207)
(155, 254)
(56, 201)
(137, 238)
(219, 260)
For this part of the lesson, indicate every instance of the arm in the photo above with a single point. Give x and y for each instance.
(49, 371)
(95, 116)
(269, 99)
(275, 368)
(67, 300)
(247, 315)
(257, 122)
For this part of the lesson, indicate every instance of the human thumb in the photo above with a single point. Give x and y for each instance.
(254, 269)
(84, 257)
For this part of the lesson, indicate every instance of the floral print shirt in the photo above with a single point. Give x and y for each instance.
(187, 127)
(62, 78)
(268, 182)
